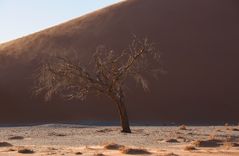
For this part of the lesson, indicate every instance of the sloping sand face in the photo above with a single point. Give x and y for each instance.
(57, 139)
(199, 45)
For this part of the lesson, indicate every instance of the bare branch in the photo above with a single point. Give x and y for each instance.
(110, 71)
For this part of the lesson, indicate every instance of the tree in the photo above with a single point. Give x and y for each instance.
(107, 74)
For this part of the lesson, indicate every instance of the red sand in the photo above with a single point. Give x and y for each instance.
(200, 51)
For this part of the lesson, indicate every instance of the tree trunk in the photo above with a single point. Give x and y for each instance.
(123, 117)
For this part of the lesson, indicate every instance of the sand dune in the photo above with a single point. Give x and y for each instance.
(199, 46)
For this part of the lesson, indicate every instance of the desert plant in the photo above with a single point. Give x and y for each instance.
(190, 148)
(25, 150)
(135, 151)
(113, 146)
(182, 127)
(16, 138)
(5, 144)
(172, 141)
(107, 74)
(207, 143)
(170, 154)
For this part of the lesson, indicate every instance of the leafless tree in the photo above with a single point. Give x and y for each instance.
(107, 75)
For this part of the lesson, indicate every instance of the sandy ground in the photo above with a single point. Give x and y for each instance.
(63, 139)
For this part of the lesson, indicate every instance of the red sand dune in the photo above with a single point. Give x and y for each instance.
(199, 42)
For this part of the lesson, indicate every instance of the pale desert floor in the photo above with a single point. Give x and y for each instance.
(63, 139)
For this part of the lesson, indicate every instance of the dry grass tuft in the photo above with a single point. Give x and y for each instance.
(226, 124)
(190, 148)
(5, 144)
(235, 144)
(135, 151)
(16, 138)
(25, 150)
(171, 154)
(78, 153)
(99, 154)
(235, 129)
(56, 134)
(105, 130)
(208, 143)
(183, 139)
(172, 141)
(212, 136)
(113, 146)
(182, 127)
(11, 150)
(228, 145)
(52, 148)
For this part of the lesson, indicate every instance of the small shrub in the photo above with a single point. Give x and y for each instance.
(235, 129)
(212, 136)
(170, 154)
(134, 151)
(51, 148)
(113, 146)
(99, 154)
(231, 144)
(208, 143)
(16, 138)
(5, 144)
(105, 130)
(56, 134)
(183, 127)
(189, 148)
(25, 151)
(11, 150)
(78, 153)
(172, 141)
